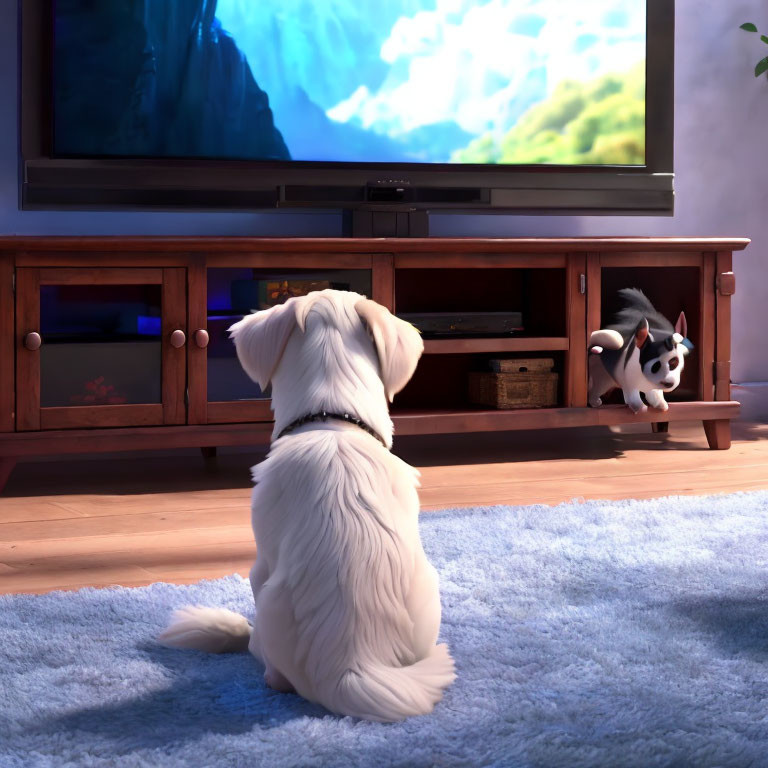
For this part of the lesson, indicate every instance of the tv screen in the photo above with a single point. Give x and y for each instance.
(297, 95)
(394, 81)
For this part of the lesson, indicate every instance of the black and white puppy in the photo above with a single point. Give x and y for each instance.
(641, 353)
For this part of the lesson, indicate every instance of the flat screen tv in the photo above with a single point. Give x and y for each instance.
(529, 106)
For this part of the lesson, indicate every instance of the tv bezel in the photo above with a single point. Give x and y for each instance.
(49, 182)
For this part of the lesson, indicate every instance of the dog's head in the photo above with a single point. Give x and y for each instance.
(662, 360)
(326, 326)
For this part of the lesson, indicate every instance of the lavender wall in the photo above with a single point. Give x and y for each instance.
(720, 165)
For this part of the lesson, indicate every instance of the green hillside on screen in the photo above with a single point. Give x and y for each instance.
(599, 122)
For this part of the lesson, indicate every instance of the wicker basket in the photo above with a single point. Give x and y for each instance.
(520, 383)
(522, 365)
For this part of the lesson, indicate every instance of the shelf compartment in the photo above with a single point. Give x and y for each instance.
(231, 294)
(236, 291)
(98, 374)
(101, 339)
(538, 293)
(442, 380)
(671, 289)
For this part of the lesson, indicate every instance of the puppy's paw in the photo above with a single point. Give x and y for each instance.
(636, 409)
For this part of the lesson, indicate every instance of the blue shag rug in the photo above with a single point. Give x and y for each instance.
(629, 633)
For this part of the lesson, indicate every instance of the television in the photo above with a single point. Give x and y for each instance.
(370, 106)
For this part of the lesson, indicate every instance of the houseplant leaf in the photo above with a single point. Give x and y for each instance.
(748, 26)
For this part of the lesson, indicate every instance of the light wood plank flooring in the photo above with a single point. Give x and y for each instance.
(140, 518)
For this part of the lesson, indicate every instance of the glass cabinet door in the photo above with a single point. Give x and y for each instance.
(233, 292)
(100, 347)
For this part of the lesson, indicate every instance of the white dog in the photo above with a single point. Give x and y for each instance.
(347, 605)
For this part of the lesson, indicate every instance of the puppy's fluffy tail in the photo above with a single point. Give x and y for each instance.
(214, 630)
(388, 694)
(607, 339)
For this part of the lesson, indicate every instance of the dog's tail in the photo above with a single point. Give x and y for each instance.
(214, 630)
(607, 339)
(388, 694)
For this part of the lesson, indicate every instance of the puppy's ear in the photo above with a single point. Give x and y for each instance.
(642, 333)
(260, 340)
(681, 326)
(398, 345)
(681, 333)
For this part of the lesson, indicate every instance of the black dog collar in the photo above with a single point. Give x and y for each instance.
(324, 416)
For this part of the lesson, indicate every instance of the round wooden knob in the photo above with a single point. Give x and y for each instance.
(33, 341)
(178, 339)
(201, 338)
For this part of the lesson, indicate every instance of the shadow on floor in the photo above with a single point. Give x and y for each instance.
(223, 694)
(187, 470)
(737, 625)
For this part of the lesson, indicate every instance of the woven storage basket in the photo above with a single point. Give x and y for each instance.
(521, 383)
(522, 365)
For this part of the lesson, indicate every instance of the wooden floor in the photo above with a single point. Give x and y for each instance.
(138, 519)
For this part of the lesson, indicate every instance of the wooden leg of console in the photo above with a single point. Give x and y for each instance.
(660, 426)
(209, 452)
(718, 432)
(7, 463)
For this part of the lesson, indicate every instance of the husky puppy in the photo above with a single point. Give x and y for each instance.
(641, 352)
(347, 607)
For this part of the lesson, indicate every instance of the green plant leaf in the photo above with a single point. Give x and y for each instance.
(764, 38)
(748, 26)
(762, 66)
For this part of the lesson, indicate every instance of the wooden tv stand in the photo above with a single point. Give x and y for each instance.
(145, 308)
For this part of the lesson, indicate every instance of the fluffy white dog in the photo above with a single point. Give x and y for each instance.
(347, 605)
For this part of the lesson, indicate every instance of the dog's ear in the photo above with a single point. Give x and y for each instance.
(681, 334)
(398, 344)
(681, 326)
(260, 340)
(642, 332)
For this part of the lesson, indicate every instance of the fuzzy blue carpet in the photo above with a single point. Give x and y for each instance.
(588, 634)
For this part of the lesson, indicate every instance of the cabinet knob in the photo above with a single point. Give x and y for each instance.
(33, 341)
(201, 338)
(178, 339)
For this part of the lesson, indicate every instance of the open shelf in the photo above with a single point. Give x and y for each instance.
(539, 294)
(442, 380)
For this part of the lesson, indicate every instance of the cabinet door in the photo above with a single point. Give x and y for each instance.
(100, 347)
(221, 391)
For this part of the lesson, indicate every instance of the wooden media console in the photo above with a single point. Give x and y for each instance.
(120, 343)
